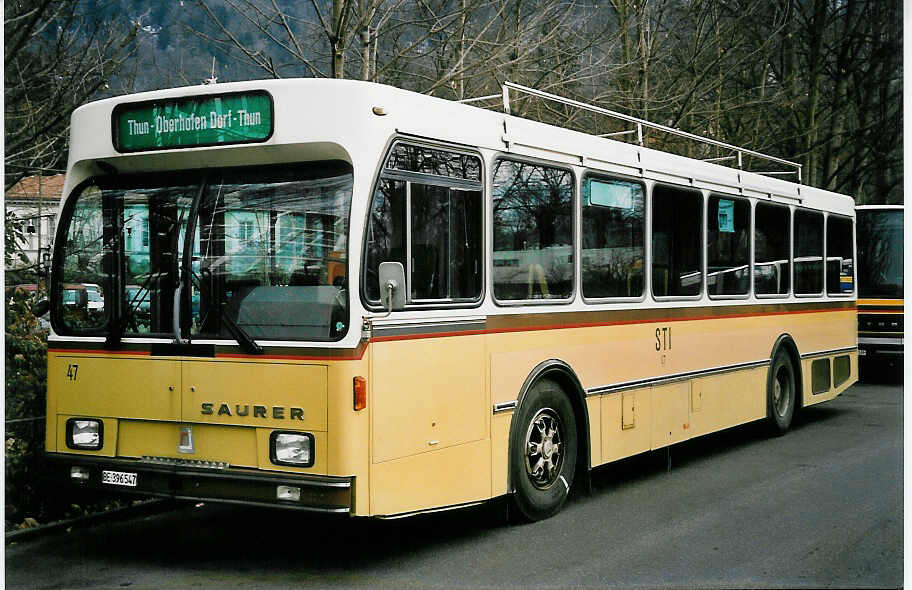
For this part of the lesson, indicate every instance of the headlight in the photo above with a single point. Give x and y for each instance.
(85, 434)
(291, 448)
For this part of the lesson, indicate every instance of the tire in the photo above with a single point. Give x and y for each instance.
(543, 452)
(781, 392)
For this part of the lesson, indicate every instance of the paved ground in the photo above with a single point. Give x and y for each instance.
(819, 507)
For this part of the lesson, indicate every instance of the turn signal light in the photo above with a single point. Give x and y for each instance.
(359, 388)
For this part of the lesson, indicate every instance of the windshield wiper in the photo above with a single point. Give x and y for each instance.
(243, 338)
(246, 342)
(187, 276)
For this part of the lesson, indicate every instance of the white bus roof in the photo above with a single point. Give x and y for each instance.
(338, 119)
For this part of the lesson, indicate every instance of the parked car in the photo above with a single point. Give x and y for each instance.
(95, 300)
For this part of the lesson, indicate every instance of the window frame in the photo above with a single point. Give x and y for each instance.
(750, 247)
(822, 293)
(56, 299)
(383, 173)
(702, 242)
(647, 262)
(574, 220)
(826, 255)
(791, 249)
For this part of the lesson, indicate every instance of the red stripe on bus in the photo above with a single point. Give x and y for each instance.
(96, 351)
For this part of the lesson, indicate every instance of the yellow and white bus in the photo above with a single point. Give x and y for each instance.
(880, 283)
(341, 296)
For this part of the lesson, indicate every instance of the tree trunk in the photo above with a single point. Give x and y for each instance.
(336, 40)
(815, 69)
(461, 51)
(643, 30)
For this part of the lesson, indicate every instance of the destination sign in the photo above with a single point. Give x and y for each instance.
(192, 122)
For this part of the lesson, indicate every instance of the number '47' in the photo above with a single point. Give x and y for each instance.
(71, 372)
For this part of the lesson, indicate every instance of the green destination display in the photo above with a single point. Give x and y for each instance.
(196, 121)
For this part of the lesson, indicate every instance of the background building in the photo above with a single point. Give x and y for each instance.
(35, 200)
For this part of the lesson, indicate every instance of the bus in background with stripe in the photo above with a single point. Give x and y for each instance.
(880, 285)
(343, 297)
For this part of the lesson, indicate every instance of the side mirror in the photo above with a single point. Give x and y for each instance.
(41, 308)
(392, 285)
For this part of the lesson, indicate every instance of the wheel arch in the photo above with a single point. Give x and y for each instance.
(787, 343)
(564, 375)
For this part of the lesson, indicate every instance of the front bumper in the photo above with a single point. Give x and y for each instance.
(182, 480)
(879, 345)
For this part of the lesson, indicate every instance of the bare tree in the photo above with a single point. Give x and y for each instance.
(809, 80)
(58, 54)
(315, 39)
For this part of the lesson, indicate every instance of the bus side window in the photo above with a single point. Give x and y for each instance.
(677, 252)
(772, 241)
(808, 252)
(446, 243)
(533, 231)
(728, 246)
(613, 248)
(386, 239)
(840, 258)
(429, 219)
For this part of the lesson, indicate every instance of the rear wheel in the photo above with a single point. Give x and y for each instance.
(782, 392)
(543, 452)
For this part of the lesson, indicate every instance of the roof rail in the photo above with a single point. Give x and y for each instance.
(641, 123)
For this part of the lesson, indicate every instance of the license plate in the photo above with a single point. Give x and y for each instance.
(862, 352)
(118, 478)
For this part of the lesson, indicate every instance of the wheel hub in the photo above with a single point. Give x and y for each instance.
(544, 455)
(781, 391)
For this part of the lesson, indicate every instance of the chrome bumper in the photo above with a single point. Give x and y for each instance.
(319, 493)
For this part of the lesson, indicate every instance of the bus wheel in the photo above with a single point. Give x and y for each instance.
(781, 394)
(543, 452)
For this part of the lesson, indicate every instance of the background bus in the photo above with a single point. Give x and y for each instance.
(880, 285)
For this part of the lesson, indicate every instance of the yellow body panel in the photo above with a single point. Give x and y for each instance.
(727, 400)
(619, 442)
(500, 443)
(429, 404)
(348, 432)
(278, 389)
(670, 414)
(140, 388)
(811, 399)
(608, 355)
(455, 475)
(593, 406)
(234, 445)
(428, 394)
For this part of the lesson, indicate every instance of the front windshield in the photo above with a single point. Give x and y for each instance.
(273, 255)
(880, 253)
(269, 255)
